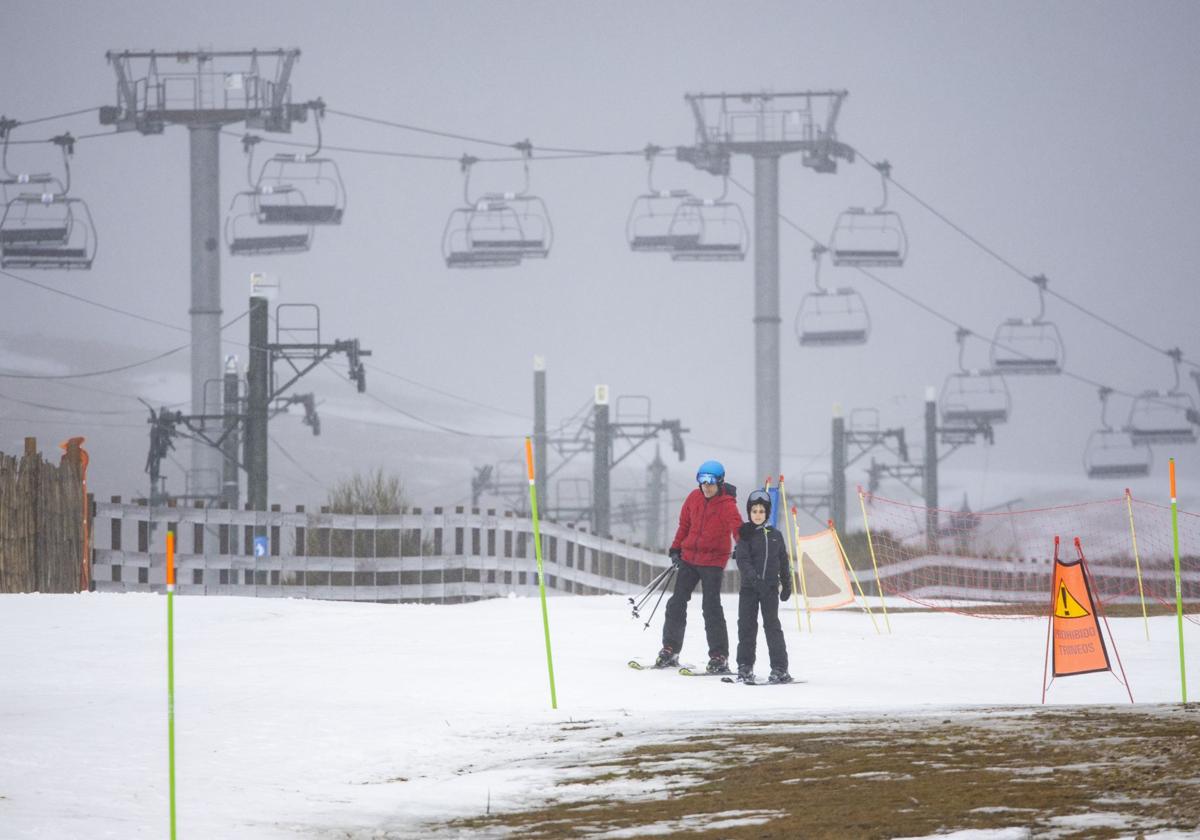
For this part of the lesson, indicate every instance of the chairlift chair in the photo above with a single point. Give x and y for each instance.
(300, 190)
(1113, 454)
(1029, 345)
(870, 238)
(974, 396)
(648, 227)
(247, 235)
(487, 235)
(47, 231)
(836, 318)
(498, 229)
(832, 319)
(705, 229)
(1161, 417)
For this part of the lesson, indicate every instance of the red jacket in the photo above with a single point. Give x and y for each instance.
(707, 528)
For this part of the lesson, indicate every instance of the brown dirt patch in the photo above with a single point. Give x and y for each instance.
(1133, 770)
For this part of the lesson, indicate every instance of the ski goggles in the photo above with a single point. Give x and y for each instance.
(707, 478)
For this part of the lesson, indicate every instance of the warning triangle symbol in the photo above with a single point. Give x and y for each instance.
(816, 582)
(1065, 606)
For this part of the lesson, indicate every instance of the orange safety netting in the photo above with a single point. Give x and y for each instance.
(1000, 564)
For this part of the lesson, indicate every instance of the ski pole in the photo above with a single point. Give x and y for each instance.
(663, 591)
(663, 582)
(647, 591)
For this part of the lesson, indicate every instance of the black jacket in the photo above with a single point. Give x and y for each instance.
(761, 555)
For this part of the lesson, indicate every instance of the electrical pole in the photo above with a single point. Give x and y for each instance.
(656, 502)
(837, 475)
(766, 126)
(601, 461)
(229, 450)
(258, 395)
(930, 480)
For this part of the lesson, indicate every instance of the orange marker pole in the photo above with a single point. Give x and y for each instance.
(1178, 584)
(537, 550)
(171, 672)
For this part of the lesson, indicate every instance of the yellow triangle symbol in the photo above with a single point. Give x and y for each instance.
(1066, 606)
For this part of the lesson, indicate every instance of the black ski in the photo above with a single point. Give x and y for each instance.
(736, 681)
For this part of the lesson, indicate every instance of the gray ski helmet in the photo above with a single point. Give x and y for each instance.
(759, 497)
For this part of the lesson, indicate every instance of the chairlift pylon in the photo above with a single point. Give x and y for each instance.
(497, 229)
(973, 397)
(826, 318)
(870, 238)
(1112, 453)
(304, 189)
(1029, 345)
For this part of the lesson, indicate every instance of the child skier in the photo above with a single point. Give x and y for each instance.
(761, 556)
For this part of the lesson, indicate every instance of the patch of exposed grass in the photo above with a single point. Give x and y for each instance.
(902, 776)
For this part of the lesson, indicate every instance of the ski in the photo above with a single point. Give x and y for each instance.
(688, 671)
(736, 681)
(643, 666)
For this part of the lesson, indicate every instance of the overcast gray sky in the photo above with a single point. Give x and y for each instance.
(1062, 135)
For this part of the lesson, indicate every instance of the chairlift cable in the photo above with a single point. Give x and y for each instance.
(1017, 270)
(88, 412)
(931, 310)
(451, 135)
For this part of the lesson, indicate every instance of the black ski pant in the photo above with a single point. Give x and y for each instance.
(750, 600)
(709, 578)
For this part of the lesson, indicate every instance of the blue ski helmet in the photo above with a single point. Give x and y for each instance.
(710, 472)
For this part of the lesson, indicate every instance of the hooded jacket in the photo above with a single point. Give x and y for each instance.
(761, 555)
(708, 527)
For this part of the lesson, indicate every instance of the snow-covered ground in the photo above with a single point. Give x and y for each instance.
(315, 719)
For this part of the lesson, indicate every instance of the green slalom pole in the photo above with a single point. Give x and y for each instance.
(1178, 584)
(537, 549)
(171, 673)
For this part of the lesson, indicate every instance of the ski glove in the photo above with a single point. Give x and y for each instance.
(676, 556)
(785, 593)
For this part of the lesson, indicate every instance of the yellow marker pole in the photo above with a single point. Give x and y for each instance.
(1178, 584)
(803, 586)
(854, 577)
(171, 673)
(1136, 562)
(537, 549)
(871, 547)
(791, 547)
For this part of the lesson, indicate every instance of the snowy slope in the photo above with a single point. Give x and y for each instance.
(309, 719)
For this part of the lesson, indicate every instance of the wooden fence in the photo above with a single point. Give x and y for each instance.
(43, 531)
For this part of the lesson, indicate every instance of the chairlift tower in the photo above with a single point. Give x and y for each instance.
(207, 91)
(766, 126)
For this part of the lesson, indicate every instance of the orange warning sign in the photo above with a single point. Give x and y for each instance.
(1078, 646)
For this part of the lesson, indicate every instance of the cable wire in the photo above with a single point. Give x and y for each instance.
(1016, 269)
(930, 309)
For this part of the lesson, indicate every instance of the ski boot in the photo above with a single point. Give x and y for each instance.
(666, 659)
(779, 675)
(718, 665)
(745, 674)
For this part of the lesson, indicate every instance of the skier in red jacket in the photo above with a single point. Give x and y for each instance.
(708, 526)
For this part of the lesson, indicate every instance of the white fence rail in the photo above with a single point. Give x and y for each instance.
(436, 556)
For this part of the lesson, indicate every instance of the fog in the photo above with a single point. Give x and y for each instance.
(1061, 136)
